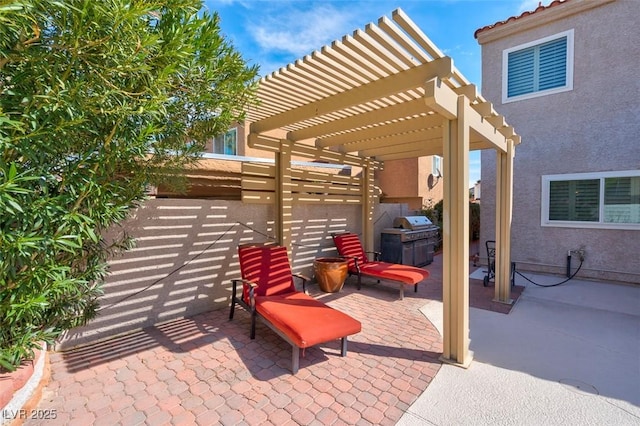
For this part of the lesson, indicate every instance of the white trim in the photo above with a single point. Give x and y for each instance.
(223, 136)
(544, 204)
(436, 166)
(505, 67)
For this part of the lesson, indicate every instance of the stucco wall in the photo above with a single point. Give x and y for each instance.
(407, 181)
(186, 255)
(592, 128)
(399, 178)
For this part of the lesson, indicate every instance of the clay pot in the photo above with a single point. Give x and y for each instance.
(330, 272)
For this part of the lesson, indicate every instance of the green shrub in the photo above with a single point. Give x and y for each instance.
(97, 101)
(474, 221)
(435, 215)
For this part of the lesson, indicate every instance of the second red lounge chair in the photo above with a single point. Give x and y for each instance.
(349, 246)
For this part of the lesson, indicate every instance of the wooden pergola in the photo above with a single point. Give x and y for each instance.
(384, 93)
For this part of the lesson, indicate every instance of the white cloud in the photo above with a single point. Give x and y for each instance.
(299, 32)
(212, 5)
(458, 50)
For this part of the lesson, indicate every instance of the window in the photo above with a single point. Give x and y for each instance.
(436, 168)
(539, 68)
(226, 143)
(592, 200)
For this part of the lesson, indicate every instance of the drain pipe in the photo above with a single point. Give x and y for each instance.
(568, 263)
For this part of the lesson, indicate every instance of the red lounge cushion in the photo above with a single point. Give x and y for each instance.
(266, 265)
(348, 245)
(304, 320)
(395, 272)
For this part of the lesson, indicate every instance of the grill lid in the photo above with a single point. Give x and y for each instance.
(413, 223)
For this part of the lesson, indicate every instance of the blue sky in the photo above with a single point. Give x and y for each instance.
(275, 33)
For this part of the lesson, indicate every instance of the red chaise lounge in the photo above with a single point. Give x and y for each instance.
(268, 292)
(349, 246)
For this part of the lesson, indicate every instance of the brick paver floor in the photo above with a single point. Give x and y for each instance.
(205, 370)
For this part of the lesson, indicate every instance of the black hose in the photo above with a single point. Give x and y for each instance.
(552, 285)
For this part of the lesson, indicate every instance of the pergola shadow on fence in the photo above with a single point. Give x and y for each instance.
(383, 93)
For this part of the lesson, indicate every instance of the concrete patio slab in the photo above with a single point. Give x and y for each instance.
(568, 354)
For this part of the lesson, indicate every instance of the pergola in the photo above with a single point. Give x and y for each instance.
(383, 93)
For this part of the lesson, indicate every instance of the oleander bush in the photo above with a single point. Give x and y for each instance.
(98, 100)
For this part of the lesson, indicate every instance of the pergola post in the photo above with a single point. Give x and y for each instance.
(455, 283)
(283, 199)
(504, 208)
(368, 198)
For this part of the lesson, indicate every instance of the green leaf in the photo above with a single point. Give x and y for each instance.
(13, 171)
(16, 206)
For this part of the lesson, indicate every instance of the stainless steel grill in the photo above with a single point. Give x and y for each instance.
(410, 242)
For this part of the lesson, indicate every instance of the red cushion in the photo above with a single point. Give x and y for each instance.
(267, 265)
(304, 320)
(348, 245)
(395, 272)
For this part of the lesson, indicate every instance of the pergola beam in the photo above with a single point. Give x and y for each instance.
(442, 99)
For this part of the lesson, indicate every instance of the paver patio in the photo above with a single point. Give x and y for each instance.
(206, 370)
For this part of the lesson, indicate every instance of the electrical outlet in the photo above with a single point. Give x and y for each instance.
(579, 252)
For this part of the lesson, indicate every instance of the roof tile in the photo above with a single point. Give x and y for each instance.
(521, 16)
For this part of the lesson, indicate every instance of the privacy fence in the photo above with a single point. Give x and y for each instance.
(186, 256)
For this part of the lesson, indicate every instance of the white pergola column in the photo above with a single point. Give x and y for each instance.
(504, 209)
(455, 285)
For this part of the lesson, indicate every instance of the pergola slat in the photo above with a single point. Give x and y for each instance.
(426, 151)
(429, 133)
(318, 75)
(416, 33)
(399, 82)
(342, 74)
(349, 62)
(388, 112)
(395, 127)
(362, 56)
(262, 170)
(409, 45)
(263, 197)
(384, 60)
(414, 142)
(273, 145)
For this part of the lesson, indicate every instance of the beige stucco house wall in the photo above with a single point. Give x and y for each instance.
(413, 181)
(591, 128)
